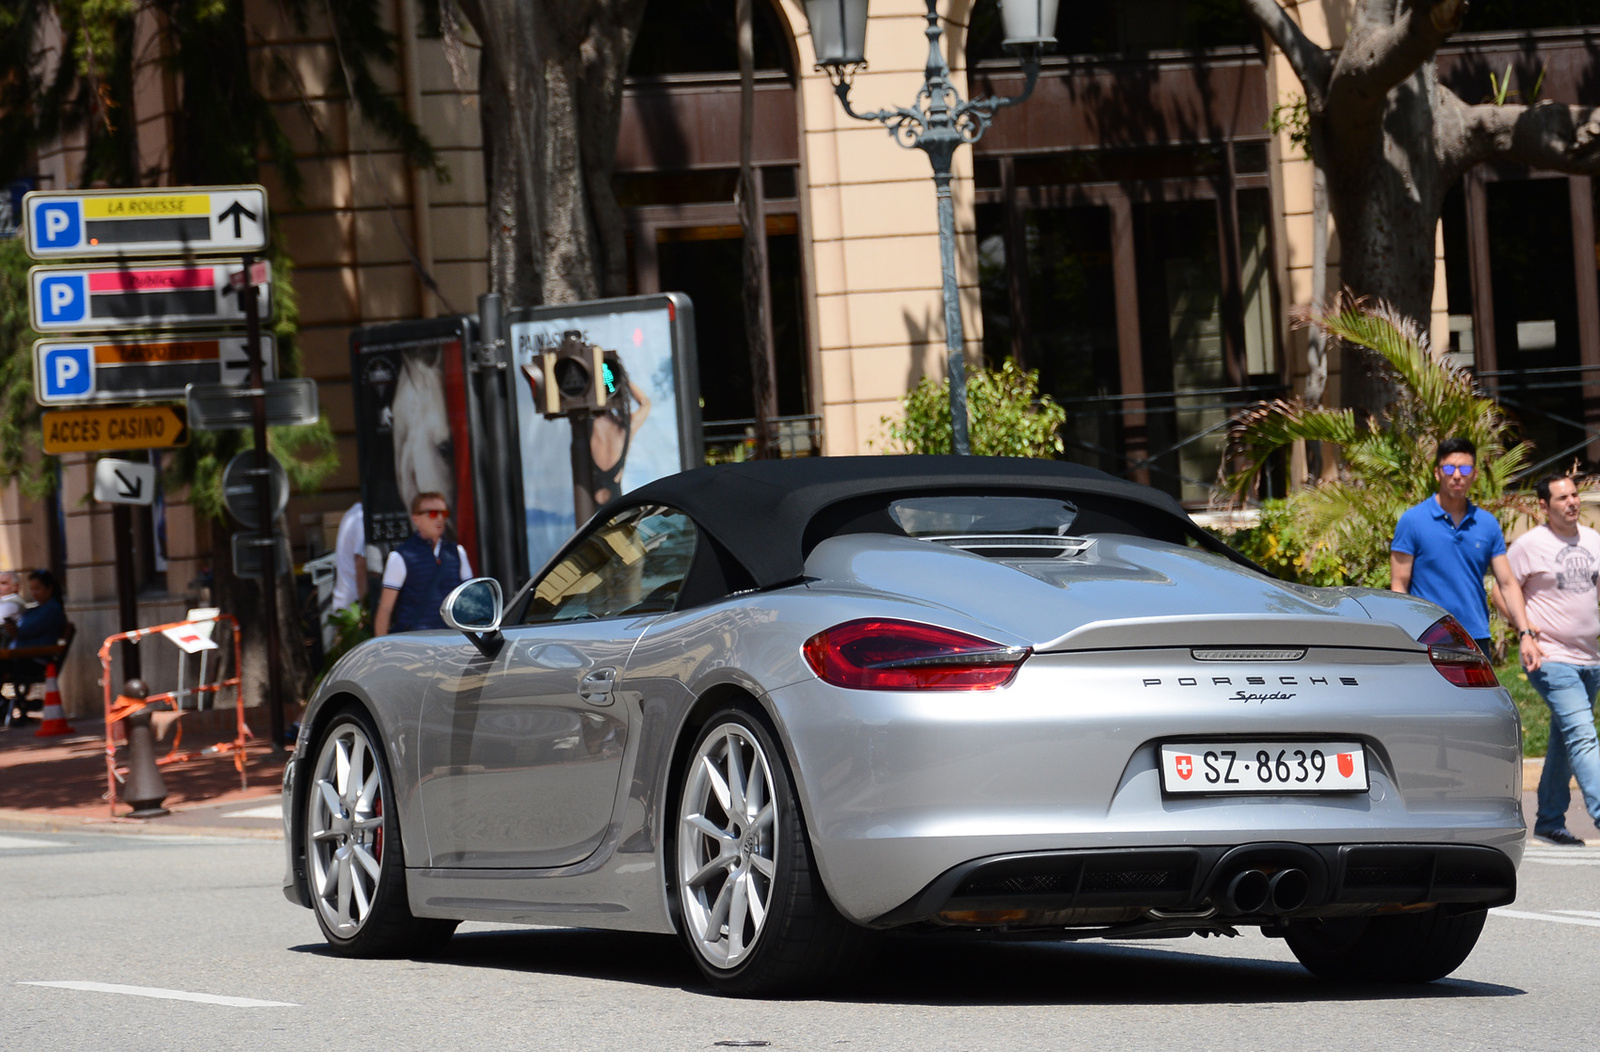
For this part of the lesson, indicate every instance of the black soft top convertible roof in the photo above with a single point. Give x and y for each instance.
(767, 514)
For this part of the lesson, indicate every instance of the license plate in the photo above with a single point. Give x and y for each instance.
(1263, 767)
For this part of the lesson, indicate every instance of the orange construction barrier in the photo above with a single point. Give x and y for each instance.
(125, 706)
(54, 721)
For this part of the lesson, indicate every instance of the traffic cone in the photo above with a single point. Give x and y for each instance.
(54, 721)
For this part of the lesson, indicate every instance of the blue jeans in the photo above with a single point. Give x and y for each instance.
(1569, 690)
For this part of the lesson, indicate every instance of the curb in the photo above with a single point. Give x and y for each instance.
(52, 822)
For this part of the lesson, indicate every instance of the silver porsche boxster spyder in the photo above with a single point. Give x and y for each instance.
(781, 707)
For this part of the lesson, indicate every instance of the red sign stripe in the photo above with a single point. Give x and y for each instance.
(151, 280)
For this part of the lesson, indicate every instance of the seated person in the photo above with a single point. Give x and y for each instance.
(11, 603)
(40, 626)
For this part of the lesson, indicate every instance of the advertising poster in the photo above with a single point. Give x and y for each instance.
(651, 425)
(412, 428)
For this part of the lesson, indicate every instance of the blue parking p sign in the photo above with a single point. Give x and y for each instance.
(63, 298)
(56, 224)
(66, 372)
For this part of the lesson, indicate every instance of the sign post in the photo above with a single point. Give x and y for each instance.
(268, 525)
(139, 368)
(87, 224)
(122, 427)
(102, 298)
(221, 407)
(117, 295)
(123, 484)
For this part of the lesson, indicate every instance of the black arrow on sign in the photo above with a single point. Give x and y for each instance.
(132, 490)
(235, 212)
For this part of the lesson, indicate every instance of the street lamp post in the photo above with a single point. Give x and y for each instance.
(938, 122)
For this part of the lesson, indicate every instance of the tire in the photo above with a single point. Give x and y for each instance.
(751, 907)
(354, 863)
(1402, 948)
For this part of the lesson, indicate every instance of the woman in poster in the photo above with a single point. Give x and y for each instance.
(612, 429)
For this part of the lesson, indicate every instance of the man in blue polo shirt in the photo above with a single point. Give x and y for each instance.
(1443, 547)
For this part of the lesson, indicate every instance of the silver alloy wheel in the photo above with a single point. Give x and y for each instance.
(727, 844)
(344, 830)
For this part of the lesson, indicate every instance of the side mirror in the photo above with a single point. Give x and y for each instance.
(475, 608)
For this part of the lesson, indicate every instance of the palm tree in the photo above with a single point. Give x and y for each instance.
(1387, 461)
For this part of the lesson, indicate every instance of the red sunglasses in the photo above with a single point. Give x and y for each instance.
(433, 513)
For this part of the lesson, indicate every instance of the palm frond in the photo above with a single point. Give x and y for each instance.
(1387, 461)
(1267, 427)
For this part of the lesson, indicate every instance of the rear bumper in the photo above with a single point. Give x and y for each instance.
(1191, 880)
(901, 789)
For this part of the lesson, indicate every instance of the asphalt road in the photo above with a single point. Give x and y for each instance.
(84, 914)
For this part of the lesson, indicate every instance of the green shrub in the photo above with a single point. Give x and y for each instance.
(1279, 543)
(1387, 462)
(351, 626)
(1006, 416)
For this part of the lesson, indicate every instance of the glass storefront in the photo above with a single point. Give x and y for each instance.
(1070, 327)
(1151, 358)
(1526, 343)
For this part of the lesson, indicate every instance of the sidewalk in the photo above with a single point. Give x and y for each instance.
(59, 784)
(1578, 822)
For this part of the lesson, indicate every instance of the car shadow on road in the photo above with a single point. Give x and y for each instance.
(947, 970)
(942, 970)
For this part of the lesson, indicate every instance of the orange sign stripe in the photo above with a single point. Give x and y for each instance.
(136, 353)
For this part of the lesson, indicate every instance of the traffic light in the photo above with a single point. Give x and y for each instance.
(574, 377)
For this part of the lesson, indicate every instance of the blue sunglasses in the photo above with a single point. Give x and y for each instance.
(1464, 469)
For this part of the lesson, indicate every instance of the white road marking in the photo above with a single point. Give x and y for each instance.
(1530, 915)
(268, 811)
(1579, 913)
(26, 842)
(169, 995)
(1563, 860)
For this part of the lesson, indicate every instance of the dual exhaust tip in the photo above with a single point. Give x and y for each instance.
(1257, 891)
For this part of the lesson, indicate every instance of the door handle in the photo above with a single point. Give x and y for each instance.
(596, 686)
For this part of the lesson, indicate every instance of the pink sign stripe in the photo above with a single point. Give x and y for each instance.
(145, 280)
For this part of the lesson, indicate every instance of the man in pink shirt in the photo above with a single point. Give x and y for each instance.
(1557, 565)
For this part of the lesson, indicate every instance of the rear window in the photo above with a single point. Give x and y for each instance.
(969, 516)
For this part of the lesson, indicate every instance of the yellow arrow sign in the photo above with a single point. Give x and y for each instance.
(129, 427)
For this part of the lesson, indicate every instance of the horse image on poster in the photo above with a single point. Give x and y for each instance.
(423, 446)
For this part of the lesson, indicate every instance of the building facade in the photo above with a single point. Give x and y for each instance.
(1139, 232)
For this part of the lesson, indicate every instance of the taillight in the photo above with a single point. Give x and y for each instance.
(1456, 656)
(903, 655)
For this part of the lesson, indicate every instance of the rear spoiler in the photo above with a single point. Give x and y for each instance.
(1233, 630)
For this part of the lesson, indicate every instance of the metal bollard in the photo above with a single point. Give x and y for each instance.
(145, 789)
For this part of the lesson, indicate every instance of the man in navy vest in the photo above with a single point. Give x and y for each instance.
(421, 572)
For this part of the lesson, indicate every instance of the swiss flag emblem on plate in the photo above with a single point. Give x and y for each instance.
(1347, 764)
(1185, 766)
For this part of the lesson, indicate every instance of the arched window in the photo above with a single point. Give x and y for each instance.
(686, 37)
(1091, 27)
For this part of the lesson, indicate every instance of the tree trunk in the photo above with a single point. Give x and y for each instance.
(550, 97)
(1385, 191)
(510, 98)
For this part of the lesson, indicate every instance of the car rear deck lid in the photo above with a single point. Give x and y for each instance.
(1232, 631)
